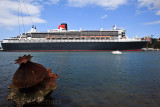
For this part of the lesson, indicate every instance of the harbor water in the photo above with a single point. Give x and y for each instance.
(93, 79)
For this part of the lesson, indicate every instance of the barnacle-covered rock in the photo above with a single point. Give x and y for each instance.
(31, 82)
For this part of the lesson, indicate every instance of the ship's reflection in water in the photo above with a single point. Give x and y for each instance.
(94, 78)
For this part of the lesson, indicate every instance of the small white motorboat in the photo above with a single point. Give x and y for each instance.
(116, 52)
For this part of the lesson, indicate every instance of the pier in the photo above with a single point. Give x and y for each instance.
(1, 49)
(150, 49)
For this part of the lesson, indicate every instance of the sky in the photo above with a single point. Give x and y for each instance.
(139, 17)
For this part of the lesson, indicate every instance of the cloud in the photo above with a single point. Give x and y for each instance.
(103, 17)
(158, 12)
(154, 22)
(150, 4)
(29, 9)
(110, 4)
(54, 1)
(140, 12)
(50, 2)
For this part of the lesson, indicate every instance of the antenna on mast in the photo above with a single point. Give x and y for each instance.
(115, 27)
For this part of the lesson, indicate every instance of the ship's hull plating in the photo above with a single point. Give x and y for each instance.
(74, 46)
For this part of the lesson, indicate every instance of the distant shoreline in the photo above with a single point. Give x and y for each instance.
(144, 49)
(150, 49)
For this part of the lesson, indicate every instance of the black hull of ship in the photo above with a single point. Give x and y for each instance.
(75, 46)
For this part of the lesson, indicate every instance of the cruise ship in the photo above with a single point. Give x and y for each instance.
(62, 39)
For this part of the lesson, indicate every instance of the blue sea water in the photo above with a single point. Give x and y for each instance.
(93, 79)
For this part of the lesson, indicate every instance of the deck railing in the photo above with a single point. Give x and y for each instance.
(49, 41)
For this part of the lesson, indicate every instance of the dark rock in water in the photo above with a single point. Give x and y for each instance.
(31, 82)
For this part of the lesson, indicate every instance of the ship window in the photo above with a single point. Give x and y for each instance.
(58, 38)
(92, 38)
(123, 34)
(102, 38)
(70, 38)
(77, 38)
(98, 38)
(82, 38)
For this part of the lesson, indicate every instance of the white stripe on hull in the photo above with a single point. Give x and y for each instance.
(49, 41)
